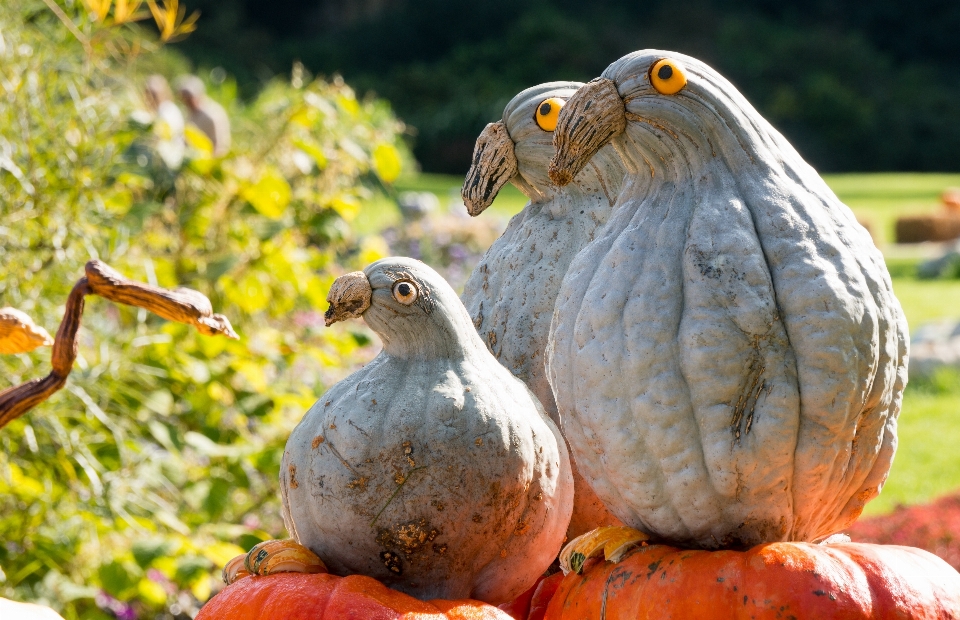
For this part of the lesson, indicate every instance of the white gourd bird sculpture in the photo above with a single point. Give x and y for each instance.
(727, 355)
(511, 292)
(432, 468)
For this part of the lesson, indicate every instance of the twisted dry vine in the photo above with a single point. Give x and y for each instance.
(182, 305)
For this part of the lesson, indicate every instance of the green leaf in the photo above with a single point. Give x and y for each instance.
(117, 579)
(146, 551)
(270, 195)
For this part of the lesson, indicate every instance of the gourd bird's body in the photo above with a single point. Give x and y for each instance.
(511, 293)
(432, 469)
(727, 355)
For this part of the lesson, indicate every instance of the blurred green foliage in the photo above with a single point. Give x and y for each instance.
(854, 85)
(125, 493)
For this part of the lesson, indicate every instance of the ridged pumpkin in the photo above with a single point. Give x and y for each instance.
(511, 293)
(432, 469)
(295, 596)
(849, 581)
(728, 356)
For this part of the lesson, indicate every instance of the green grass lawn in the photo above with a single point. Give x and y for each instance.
(928, 458)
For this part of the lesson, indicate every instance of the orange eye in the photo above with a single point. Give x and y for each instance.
(547, 113)
(668, 76)
(405, 292)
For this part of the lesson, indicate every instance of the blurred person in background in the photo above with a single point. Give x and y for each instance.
(205, 113)
(167, 122)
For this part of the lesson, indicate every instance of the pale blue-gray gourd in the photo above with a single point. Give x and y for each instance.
(511, 292)
(432, 469)
(727, 355)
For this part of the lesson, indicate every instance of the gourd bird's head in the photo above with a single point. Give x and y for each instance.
(682, 115)
(518, 148)
(409, 305)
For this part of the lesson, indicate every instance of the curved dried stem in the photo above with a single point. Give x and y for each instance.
(182, 305)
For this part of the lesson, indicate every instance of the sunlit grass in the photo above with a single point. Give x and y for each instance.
(927, 464)
(878, 199)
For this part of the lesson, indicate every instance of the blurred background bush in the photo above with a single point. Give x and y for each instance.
(124, 494)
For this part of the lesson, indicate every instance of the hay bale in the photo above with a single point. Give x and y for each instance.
(935, 227)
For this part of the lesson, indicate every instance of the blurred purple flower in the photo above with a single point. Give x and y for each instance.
(121, 610)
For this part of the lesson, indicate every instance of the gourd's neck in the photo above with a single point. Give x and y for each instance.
(446, 333)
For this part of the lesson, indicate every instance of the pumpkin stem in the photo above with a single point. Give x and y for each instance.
(612, 541)
(182, 305)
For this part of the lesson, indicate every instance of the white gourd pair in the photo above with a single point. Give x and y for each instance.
(726, 353)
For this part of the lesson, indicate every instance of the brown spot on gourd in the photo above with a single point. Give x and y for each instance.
(408, 537)
(477, 518)
(317, 441)
(292, 470)
(478, 441)
(392, 561)
(358, 483)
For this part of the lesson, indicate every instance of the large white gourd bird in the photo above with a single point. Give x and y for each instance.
(432, 468)
(511, 292)
(727, 355)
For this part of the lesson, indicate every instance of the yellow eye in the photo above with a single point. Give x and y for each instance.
(668, 76)
(547, 113)
(405, 292)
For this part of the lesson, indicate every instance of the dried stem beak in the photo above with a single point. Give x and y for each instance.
(182, 305)
(591, 118)
(494, 163)
(349, 297)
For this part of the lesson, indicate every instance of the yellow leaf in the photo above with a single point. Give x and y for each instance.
(201, 588)
(249, 292)
(270, 195)
(386, 162)
(152, 592)
(198, 140)
(348, 104)
(201, 165)
(316, 290)
(347, 206)
(373, 249)
(253, 374)
(24, 486)
(221, 552)
(306, 116)
(313, 151)
(166, 565)
(98, 8)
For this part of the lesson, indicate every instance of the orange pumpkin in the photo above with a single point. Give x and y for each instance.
(850, 581)
(324, 596)
(532, 604)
